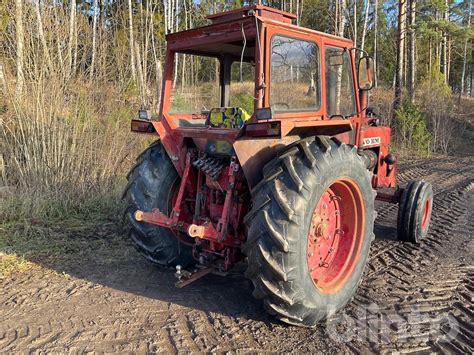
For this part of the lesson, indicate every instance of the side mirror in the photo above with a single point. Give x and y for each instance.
(365, 74)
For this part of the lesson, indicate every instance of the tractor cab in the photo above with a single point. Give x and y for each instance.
(254, 58)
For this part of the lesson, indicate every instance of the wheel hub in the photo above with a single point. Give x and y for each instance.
(321, 230)
(426, 215)
(335, 235)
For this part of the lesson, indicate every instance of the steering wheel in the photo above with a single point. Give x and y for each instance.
(282, 104)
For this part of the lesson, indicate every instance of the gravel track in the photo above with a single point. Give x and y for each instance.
(412, 298)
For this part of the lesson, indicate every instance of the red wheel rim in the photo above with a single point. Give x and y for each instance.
(426, 215)
(336, 235)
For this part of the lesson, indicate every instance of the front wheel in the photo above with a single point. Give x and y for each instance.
(414, 211)
(310, 230)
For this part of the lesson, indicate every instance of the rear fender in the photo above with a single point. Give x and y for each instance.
(253, 154)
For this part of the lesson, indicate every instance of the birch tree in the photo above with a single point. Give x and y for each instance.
(341, 28)
(400, 53)
(411, 66)
(72, 25)
(94, 39)
(342, 19)
(355, 23)
(44, 44)
(444, 43)
(131, 40)
(376, 20)
(20, 45)
(366, 20)
(464, 61)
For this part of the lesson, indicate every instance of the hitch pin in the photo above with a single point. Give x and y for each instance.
(139, 215)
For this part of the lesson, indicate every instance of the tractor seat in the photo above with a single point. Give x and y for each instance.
(227, 117)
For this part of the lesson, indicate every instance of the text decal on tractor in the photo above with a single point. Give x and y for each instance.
(282, 174)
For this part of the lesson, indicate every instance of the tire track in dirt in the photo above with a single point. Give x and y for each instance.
(446, 185)
(433, 296)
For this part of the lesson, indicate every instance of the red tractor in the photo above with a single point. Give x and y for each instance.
(282, 174)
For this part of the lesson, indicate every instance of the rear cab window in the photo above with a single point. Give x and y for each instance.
(294, 74)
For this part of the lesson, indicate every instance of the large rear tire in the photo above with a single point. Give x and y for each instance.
(310, 230)
(152, 183)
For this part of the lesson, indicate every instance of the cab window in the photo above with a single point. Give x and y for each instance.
(294, 75)
(195, 93)
(340, 99)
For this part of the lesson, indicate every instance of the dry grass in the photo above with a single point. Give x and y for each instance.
(10, 263)
(65, 140)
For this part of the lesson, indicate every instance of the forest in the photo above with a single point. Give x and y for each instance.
(73, 73)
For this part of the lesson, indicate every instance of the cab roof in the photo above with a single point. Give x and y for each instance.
(229, 25)
(259, 10)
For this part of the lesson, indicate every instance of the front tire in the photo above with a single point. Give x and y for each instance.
(152, 183)
(414, 211)
(310, 230)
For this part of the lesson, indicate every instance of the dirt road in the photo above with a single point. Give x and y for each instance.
(105, 297)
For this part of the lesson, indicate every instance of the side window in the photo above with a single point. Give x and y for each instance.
(195, 93)
(294, 75)
(340, 98)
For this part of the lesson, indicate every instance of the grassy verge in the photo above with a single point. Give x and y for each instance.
(52, 232)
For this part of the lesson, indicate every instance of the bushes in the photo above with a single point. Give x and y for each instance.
(430, 124)
(436, 101)
(411, 131)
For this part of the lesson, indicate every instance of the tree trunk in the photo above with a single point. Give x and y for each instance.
(72, 21)
(400, 53)
(411, 50)
(376, 20)
(342, 19)
(464, 61)
(342, 26)
(366, 20)
(20, 77)
(141, 79)
(158, 68)
(103, 42)
(132, 51)
(94, 40)
(430, 55)
(42, 37)
(444, 45)
(3, 81)
(448, 61)
(165, 10)
(355, 23)
(74, 57)
(472, 83)
(176, 63)
(298, 11)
